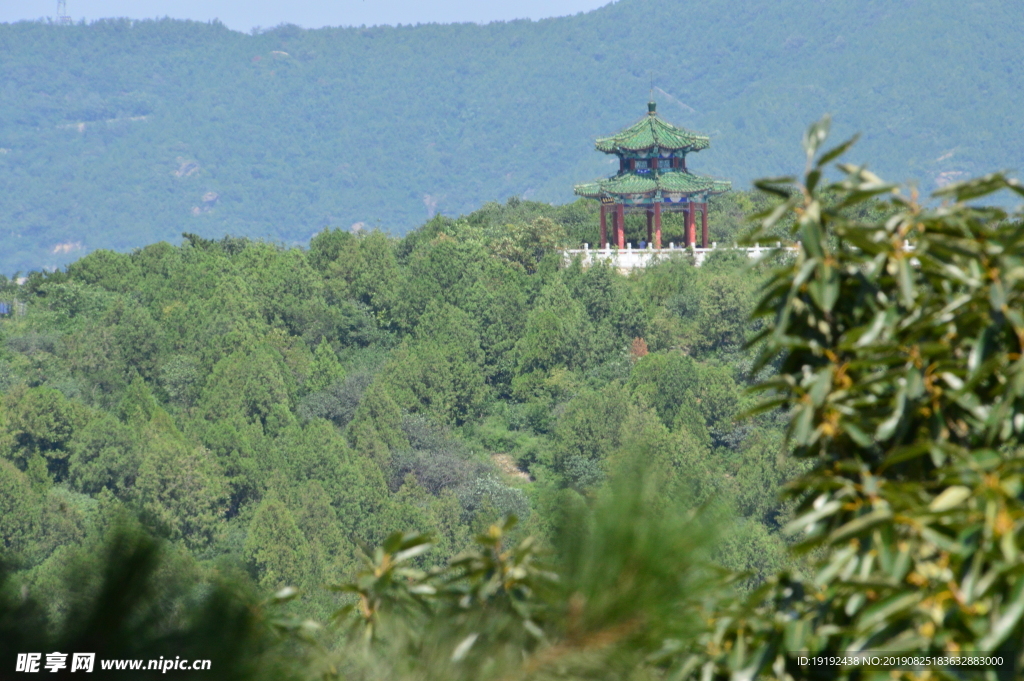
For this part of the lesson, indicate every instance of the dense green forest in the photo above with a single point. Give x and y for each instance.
(455, 455)
(273, 408)
(120, 134)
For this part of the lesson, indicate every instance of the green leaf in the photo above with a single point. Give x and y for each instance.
(811, 181)
(886, 429)
(856, 434)
(853, 198)
(881, 319)
(977, 187)
(825, 288)
(886, 610)
(860, 525)
(837, 151)
(906, 279)
(462, 649)
(837, 563)
(779, 211)
(820, 386)
(816, 134)
(810, 236)
(942, 541)
(753, 665)
(773, 185)
(808, 519)
(950, 497)
(803, 421)
(410, 553)
(422, 590)
(796, 634)
(901, 454)
(285, 594)
(1004, 626)
(997, 296)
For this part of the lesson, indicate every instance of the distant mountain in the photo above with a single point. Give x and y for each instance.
(119, 133)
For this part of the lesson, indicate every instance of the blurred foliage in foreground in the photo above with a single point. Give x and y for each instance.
(628, 579)
(133, 601)
(901, 351)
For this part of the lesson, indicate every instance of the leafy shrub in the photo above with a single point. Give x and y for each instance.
(506, 500)
(33, 342)
(338, 402)
(181, 378)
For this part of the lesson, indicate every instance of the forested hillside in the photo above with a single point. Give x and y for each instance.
(268, 409)
(119, 134)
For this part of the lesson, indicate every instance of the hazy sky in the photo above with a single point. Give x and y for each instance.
(243, 15)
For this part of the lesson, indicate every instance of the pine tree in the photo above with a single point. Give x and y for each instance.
(325, 369)
(275, 548)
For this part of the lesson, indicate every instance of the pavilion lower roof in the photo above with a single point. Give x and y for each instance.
(649, 132)
(632, 184)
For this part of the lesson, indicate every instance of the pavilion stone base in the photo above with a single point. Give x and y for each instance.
(628, 258)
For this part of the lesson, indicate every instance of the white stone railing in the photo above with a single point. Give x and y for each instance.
(629, 258)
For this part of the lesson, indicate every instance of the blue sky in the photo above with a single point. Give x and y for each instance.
(245, 15)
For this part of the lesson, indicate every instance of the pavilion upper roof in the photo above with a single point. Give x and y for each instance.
(650, 131)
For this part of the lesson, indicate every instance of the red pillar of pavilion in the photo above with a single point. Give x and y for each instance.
(657, 225)
(704, 225)
(620, 224)
(604, 227)
(650, 226)
(691, 226)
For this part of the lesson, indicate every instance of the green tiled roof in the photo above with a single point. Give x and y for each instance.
(650, 131)
(686, 182)
(674, 182)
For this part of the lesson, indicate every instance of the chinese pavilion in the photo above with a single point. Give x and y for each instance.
(653, 178)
